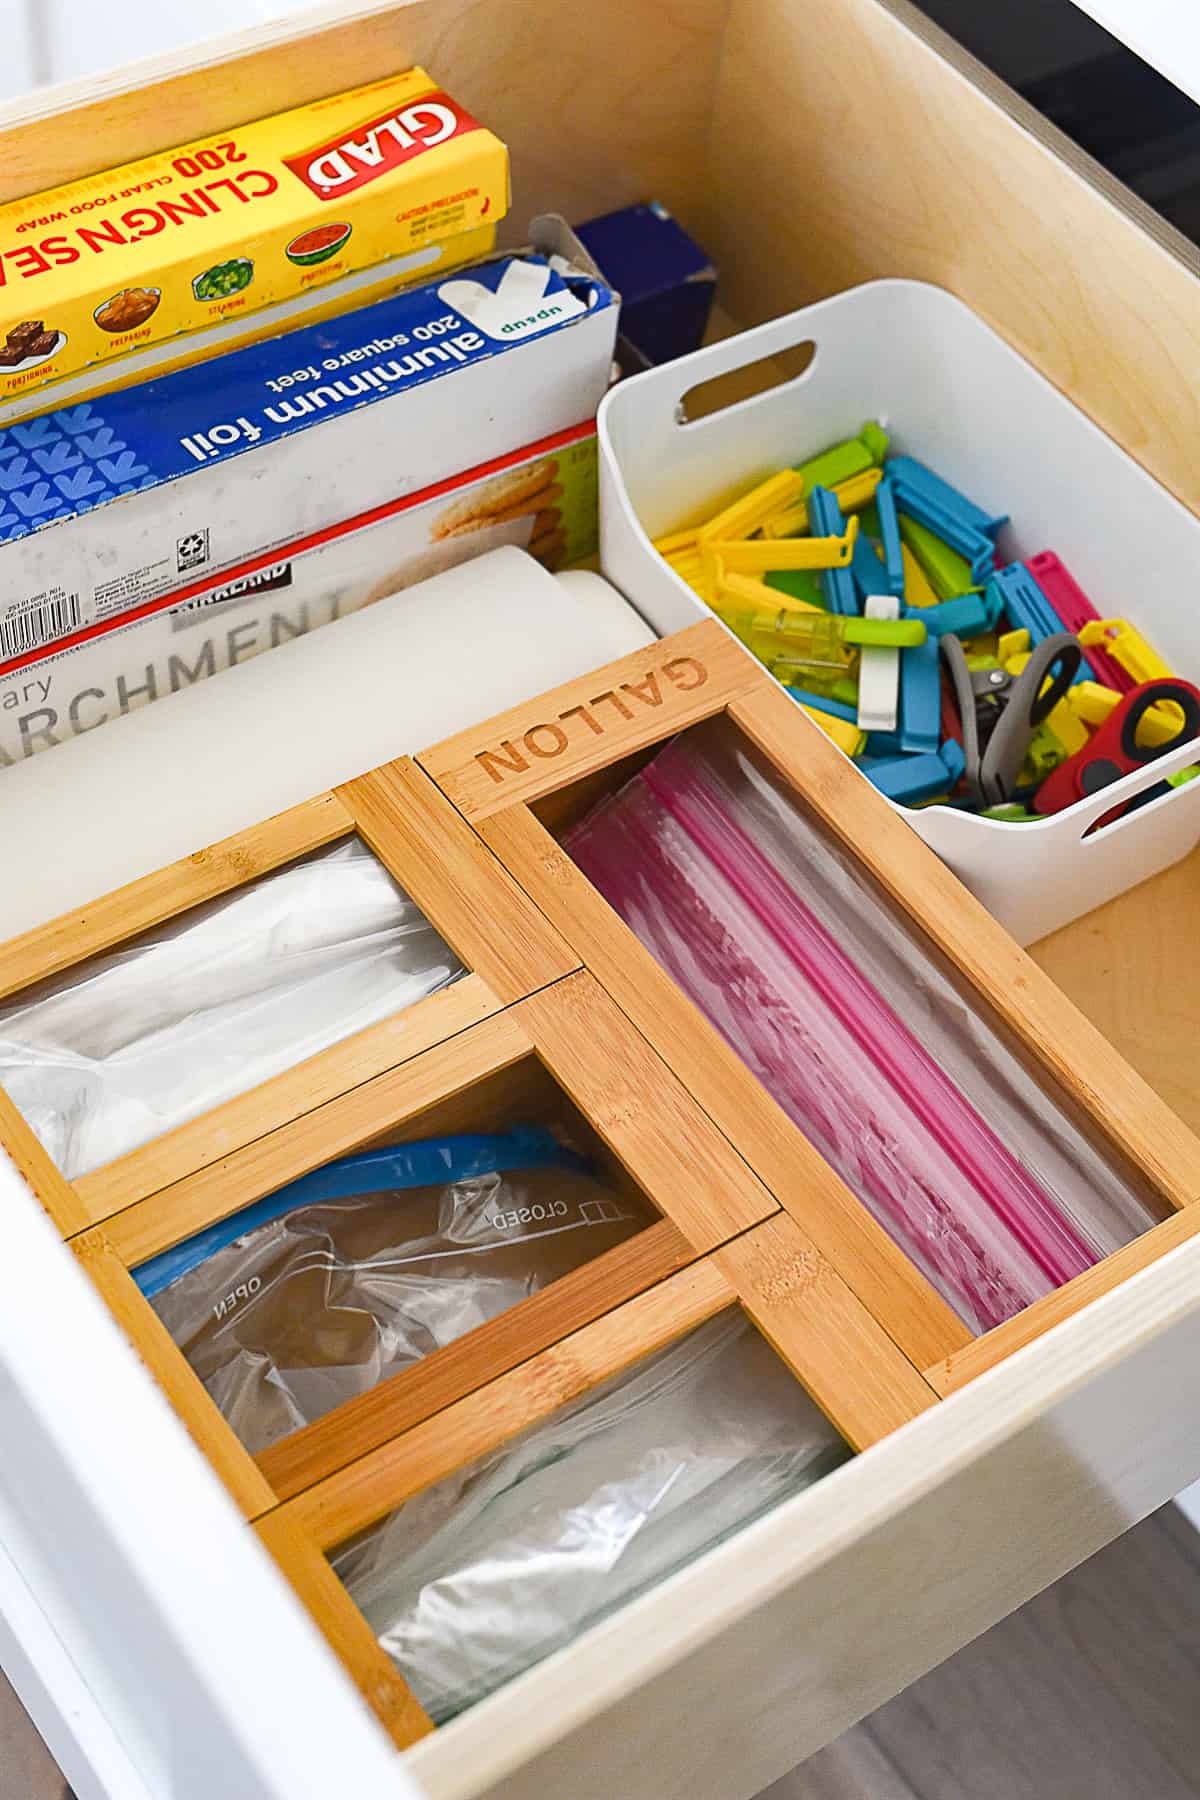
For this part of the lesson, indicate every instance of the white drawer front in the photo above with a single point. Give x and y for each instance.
(747, 1662)
(159, 1652)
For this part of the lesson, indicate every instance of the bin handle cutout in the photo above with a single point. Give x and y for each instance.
(1086, 812)
(775, 369)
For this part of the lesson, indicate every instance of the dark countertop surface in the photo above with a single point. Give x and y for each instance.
(1111, 103)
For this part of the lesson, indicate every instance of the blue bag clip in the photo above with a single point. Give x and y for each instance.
(909, 779)
(838, 585)
(920, 729)
(931, 501)
(1028, 609)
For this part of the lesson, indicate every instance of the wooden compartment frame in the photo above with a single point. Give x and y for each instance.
(769, 1271)
(721, 1238)
(497, 772)
(707, 1197)
(507, 946)
(722, 1241)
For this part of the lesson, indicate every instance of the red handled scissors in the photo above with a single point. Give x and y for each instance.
(1115, 751)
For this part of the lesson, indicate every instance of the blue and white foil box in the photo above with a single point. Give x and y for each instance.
(117, 504)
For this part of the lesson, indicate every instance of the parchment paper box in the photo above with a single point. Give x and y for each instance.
(541, 498)
(110, 505)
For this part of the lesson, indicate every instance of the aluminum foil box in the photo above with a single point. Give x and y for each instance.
(109, 506)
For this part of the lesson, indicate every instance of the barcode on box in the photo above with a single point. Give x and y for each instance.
(39, 625)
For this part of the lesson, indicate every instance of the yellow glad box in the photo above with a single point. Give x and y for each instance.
(240, 221)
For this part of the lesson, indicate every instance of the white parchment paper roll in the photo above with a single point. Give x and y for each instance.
(161, 783)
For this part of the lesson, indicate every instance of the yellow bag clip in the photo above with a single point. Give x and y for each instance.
(1126, 644)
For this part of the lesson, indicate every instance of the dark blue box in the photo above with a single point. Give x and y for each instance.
(665, 280)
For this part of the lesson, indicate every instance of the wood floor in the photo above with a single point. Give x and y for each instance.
(27, 1770)
(1091, 1692)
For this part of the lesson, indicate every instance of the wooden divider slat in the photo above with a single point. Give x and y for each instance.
(589, 723)
(954, 1371)
(115, 918)
(447, 1375)
(334, 1510)
(186, 1392)
(456, 881)
(369, 1667)
(341, 1125)
(804, 1308)
(643, 1112)
(228, 1128)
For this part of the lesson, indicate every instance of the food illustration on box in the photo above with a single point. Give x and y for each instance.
(224, 279)
(128, 309)
(318, 245)
(30, 343)
(546, 506)
(527, 497)
(242, 220)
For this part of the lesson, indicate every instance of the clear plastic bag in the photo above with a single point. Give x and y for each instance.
(484, 1574)
(850, 1021)
(305, 1300)
(132, 1044)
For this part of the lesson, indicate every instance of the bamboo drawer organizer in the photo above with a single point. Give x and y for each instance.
(527, 1032)
(563, 1015)
(520, 776)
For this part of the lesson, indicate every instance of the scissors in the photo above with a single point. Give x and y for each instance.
(1000, 712)
(1115, 751)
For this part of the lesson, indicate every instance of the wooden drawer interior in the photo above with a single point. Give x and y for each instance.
(748, 117)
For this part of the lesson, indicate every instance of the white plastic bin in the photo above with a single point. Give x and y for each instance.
(954, 394)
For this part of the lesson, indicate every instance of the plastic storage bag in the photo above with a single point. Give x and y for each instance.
(305, 1300)
(484, 1574)
(131, 1044)
(852, 1023)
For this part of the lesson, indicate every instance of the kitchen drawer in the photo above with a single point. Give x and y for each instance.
(810, 146)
